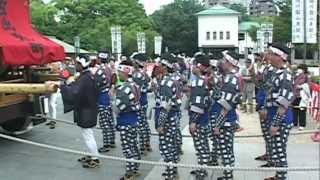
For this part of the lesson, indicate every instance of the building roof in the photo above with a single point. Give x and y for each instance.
(218, 10)
(69, 49)
(247, 25)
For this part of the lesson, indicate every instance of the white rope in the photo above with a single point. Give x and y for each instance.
(184, 135)
(189, 166)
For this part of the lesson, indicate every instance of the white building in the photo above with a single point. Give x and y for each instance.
(210, 3)
(218, 29)
(245, 40)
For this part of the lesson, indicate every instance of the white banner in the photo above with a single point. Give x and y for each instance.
(311, 21)
(157, 45)
(264, 37)
(298, 21)
(141, 41)
(259, 41)
(116, 39)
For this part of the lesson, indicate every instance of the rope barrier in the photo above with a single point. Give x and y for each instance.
(184, 135)
(188, 166)
(294, 107)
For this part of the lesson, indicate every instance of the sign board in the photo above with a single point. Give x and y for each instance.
(299, 21)
(141, 41)
(77, 45)
(311, 21)
(157, 45)
(260, 40)
(264, 37)
(116, 39)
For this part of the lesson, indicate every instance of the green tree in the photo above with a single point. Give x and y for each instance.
(177, 23)
(43, 17)
(92, 20)
(282, 23)
(241, 9)
(253, 33)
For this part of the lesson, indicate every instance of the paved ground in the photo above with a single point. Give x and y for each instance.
(19, 161)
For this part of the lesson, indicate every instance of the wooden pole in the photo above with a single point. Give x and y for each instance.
(27, 88)
(48, 77)
(305, 32)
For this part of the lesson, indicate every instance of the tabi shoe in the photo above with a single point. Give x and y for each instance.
(194, 172)
(175, 176)
(198, 172)
(214, 163)
(112, 146)
(271, 178)
(148, 148)
(136, 174)
(103, 149)
(84, 159)
(224, 178)
(93, 163)
(267, 165)
(181, 152)
(127, 177)
(261, 158)
(199, 177)
(51, 124)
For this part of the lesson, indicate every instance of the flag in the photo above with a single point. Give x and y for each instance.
(315, 102)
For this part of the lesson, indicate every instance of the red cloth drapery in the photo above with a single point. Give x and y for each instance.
(314, 106)
(20, 43)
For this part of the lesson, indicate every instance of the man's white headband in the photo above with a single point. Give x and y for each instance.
(83, 61)
(229, 58)
(166, 63)
(279, 52)
(126, 69)
(103, 55)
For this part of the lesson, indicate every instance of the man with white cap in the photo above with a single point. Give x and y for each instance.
(279, 113)
(103, 78)
(166, 123)
(127, 108)
(224, 123)
(82, 96)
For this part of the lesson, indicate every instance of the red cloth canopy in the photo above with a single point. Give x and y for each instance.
(20, 43)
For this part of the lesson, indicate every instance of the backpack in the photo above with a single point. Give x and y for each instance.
(103, 78)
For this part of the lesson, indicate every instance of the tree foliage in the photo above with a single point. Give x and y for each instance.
(253, 33)
(282, 23)
(92, 20)
(242, 10)
(43, 17)
(177, 23)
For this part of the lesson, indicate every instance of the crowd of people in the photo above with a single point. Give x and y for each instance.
(214, 88)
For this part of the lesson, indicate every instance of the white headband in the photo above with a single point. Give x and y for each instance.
(230, 59)
(83, 61)
(165, 62)
(279, 52)
(126, 69)
(133, 54)
(103, 55)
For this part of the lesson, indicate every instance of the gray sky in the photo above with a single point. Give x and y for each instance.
(149, 5)
(153, 5)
